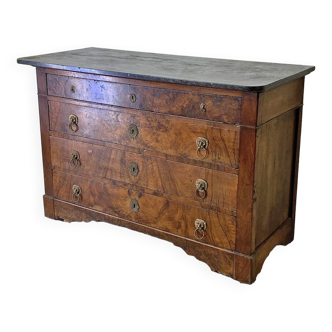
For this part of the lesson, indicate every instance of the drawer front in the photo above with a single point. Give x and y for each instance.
(190, 104)
(156, 132)
(153, 173)
(150, 210)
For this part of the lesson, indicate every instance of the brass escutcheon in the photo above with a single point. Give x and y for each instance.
(72, 89)
(202, 145)
(201, 187)
(134, 206)
(202, 107)
(77, 192)
(75, 159)
(132, 97)
(73, 122)
(133, 169)
(133, 131)
(200, 227)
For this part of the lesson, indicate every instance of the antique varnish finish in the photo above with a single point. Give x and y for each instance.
(200, 152)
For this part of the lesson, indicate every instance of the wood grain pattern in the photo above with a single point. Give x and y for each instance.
(245, 223)
(249, 111)
(154, 84)
(150, 153)
(154, 173)
(218, 108)
(219, 260)
(273, 174)
(280, 100)
(154, 211)
(157, 132)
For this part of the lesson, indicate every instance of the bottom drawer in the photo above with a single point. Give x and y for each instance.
(147, 209)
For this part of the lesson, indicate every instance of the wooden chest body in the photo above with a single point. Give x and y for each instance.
(133, 150)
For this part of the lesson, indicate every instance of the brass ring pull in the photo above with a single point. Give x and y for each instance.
(201, 194)
(77, 192)
(75, 159)
(72, 89)
(201, 187)
(200, 227)
(73, 123)
(202, 145)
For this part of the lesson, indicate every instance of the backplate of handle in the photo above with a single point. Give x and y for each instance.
(202, 145)
(73, 122)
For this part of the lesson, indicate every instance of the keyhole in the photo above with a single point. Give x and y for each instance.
(134, 206)
(133, 131)
(132, 98)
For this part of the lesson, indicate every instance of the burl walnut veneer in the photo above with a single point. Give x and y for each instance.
(200, 152)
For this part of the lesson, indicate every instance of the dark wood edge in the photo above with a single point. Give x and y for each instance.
(48, 206)
(249, 109)
(245, 241)
(45, 134)
(296, 164)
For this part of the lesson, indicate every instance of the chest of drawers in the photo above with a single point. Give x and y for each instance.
(200, 152)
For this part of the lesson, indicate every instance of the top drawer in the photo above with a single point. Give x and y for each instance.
(190, 104)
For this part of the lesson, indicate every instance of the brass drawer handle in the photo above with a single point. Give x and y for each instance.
(77, 193)
(133, 131)
(75, 159)
(132, 97)
(200, 227)
(202, 107)
(202, 145)
(134, 206)
(133, 169)
(201, 187)
(73, 123)
(72, 89)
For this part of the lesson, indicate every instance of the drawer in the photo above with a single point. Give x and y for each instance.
(153, 211)
(166, 134)
(158, 174)
(190, 104)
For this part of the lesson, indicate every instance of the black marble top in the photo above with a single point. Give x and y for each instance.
(227, 74)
